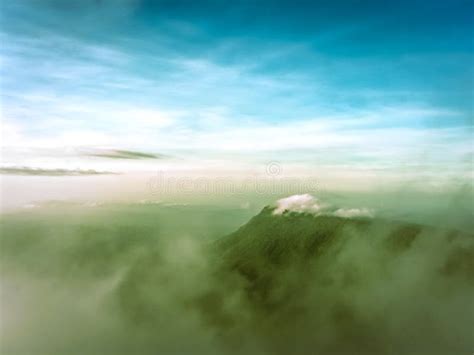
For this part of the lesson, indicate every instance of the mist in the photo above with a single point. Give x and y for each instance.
(133, 278)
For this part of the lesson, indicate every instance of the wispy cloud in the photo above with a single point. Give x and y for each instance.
(173, 84)
(49, 172)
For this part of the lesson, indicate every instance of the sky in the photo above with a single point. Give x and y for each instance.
(381, 85)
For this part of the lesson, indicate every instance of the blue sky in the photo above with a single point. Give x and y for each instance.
(353, 82)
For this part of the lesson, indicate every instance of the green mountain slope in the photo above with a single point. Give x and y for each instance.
(331, 285)
(281, 240)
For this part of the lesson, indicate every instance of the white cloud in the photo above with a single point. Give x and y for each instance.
(353, 212)
(331, 143)
(10, 132)
(298, 203)
(307, 203)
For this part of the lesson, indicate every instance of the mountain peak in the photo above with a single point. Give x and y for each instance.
(306, 203)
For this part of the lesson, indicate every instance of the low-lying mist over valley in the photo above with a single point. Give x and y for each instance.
(296, 276)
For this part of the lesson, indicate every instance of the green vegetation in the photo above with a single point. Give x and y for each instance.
(147, 279)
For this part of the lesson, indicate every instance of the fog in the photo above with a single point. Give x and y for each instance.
(139, 278)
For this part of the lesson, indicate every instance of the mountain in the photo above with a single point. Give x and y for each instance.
(281, 240)
(332, 285)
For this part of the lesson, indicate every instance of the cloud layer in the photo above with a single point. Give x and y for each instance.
(158, 76)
